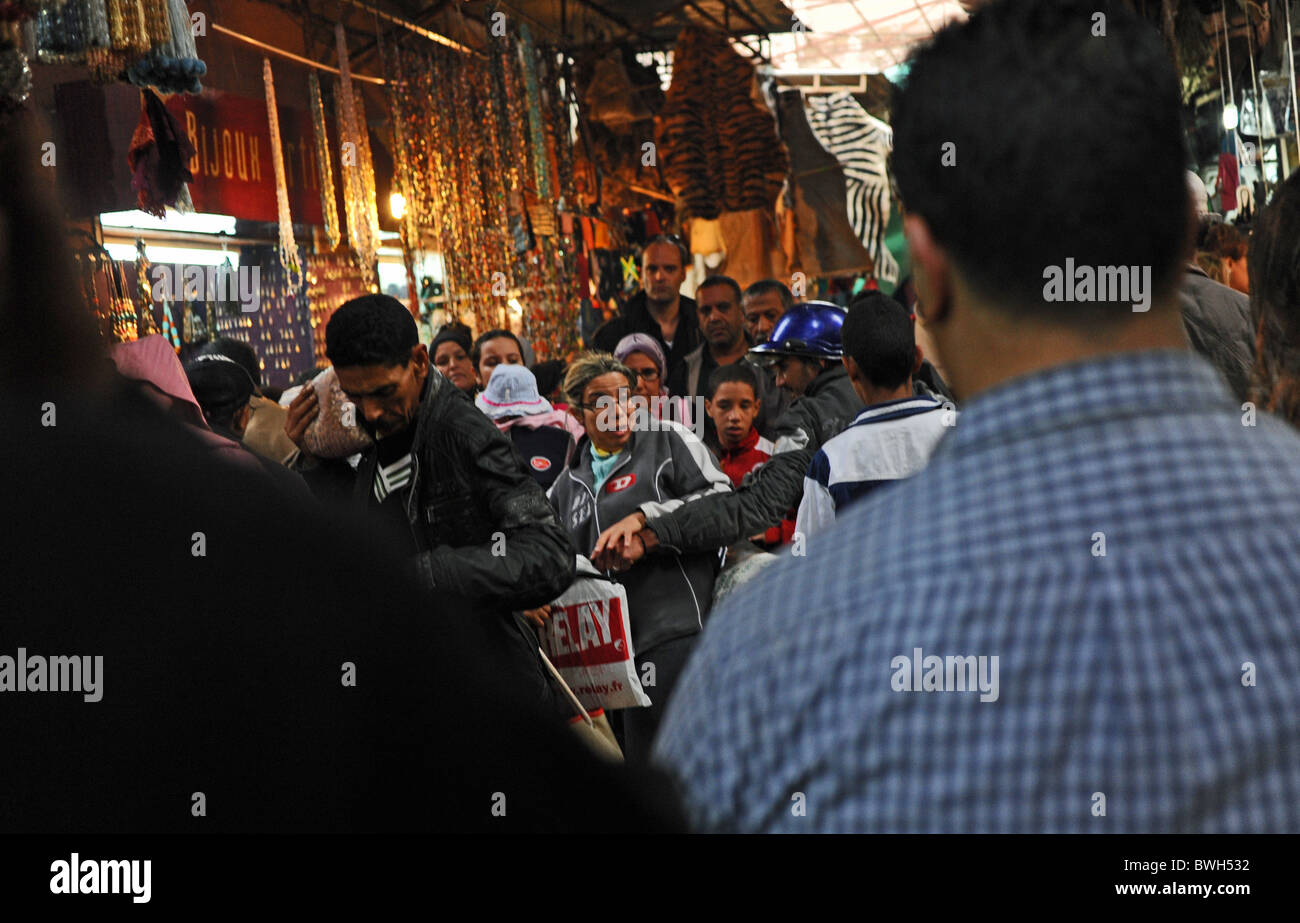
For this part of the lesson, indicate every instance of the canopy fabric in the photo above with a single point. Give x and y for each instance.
(858, 36)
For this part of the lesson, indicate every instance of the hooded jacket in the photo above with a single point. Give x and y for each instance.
(824, 410)
(153, 361)
(659, 470)
(543, 442)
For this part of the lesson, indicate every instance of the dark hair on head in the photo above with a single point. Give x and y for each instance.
(766, 286)
(240, 352)
(450, 335)
(671, 240)
(1225, 242)
(549, 375)
(742, 372)
(879, 336)
(1062, 145)
(712, 281)
(307, 375)
(477, 351)
(1206, 225)
(371, 330)
(1274, 263)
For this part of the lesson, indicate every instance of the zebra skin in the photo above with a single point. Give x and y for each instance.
(861, 143)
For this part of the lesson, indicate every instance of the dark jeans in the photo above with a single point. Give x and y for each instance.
(639, 725)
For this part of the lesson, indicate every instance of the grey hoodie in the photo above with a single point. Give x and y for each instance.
(660, 469)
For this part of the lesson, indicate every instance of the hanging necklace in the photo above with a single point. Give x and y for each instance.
(329, 210)
(289, 258)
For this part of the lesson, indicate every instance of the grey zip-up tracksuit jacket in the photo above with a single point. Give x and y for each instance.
(668, 595)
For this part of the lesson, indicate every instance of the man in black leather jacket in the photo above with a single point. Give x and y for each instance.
(446, 481)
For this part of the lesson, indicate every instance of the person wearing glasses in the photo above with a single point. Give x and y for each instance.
(643, 356)
(619, 476)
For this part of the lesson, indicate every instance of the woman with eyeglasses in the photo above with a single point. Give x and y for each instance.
(644, 357)
(619, 475)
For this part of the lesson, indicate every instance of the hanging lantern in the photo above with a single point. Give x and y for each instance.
(1230, 117)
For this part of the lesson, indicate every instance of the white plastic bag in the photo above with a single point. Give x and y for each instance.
(589, 639)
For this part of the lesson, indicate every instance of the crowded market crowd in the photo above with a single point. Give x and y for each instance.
(1071, 519)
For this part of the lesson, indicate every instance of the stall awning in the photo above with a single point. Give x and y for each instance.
(859, 36)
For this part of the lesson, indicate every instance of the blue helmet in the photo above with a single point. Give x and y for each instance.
(810, 330)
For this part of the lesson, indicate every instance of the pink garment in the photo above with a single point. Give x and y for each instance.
(153, 360)
(558, 418)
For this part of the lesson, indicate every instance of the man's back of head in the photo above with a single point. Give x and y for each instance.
(1038, 151)
(880, 342)
(1063, 622)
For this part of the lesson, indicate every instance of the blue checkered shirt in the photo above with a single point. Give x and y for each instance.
(1152, 688)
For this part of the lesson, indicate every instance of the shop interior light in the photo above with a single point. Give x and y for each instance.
(1230, 117)
(188, 256)
(193, 223)
(397, 206)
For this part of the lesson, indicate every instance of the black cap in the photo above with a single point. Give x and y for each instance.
(220, 384)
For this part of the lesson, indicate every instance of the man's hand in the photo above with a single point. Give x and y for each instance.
(611, 551)
(538, 616)
(302, 410)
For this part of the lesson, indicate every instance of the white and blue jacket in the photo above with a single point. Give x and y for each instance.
(885, 442)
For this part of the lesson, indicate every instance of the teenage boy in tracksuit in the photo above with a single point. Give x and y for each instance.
(893, 436)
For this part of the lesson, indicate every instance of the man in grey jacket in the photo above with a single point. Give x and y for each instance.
(1217, 321)
(1216, 317)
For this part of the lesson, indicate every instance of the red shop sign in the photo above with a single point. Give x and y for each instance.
(233, 170)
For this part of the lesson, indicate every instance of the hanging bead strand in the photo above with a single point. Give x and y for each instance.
(289, 257)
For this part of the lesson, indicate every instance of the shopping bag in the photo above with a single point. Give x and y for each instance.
(589, 639)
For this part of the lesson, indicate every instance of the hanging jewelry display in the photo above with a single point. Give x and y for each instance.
(470, 160)
(333, 278)
(128, 39)
(356, 166)
(289, 257)
(127, 29)
(325, 169)
(66, 30)
(536, 131)
(15, 79)
(169, 331)
(191, 325)
(172, 64)
(143, 291)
